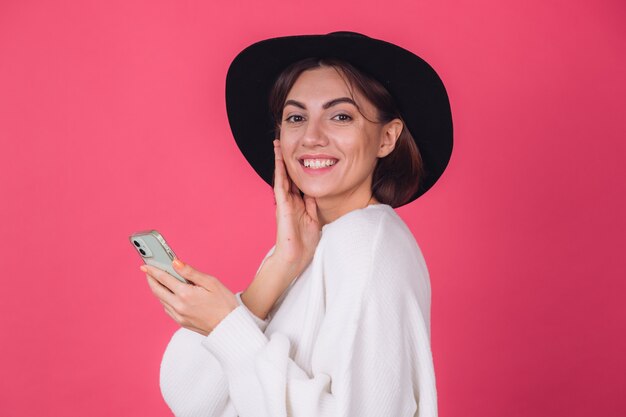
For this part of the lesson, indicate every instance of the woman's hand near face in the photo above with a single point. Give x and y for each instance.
(200, 307)
(298, 228)
(297, 236)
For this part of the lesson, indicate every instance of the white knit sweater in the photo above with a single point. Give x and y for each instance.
(349, 337)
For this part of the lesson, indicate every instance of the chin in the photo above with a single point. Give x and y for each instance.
(314, 192)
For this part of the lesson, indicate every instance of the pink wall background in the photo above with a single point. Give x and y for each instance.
(112, 120)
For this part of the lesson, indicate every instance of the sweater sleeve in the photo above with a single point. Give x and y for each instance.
(373, 340)
(192, 381)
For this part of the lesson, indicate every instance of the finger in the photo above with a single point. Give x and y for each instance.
(294, 189)
(191, 274)
(170, 311)
(162, 293)
(288, 185)
(164, 278)
(180, 319)
(281, 179)
(279, 172)
(278, 154)
(311, 207)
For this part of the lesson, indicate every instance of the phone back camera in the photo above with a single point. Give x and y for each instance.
(142, 246)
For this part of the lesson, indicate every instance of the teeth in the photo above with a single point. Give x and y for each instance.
(318, 163)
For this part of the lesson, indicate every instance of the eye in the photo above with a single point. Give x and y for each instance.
(295, 118)
(342, 117)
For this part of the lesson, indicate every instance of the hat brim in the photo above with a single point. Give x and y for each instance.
(416, 88)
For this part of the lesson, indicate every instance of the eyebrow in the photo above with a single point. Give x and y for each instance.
(325, 106)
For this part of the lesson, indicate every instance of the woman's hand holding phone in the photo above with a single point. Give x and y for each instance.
(199, 307)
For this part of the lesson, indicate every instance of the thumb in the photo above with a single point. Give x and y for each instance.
(311, 207)
(188, 272)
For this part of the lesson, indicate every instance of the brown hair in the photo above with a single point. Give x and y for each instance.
(396, 177)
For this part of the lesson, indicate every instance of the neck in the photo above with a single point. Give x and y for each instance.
(329, 210)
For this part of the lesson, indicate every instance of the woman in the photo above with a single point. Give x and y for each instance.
(337, 320)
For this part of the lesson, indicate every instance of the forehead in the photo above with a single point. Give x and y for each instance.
(323, 81)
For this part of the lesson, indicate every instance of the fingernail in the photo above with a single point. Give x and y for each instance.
(143, 268)
(178, 263)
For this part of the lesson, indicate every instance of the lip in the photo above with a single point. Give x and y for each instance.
(316, 156)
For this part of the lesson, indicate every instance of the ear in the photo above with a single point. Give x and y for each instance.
(390, 134)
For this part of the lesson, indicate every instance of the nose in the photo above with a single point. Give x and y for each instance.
(314, 134)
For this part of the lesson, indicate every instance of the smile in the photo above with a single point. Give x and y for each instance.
(318, 163)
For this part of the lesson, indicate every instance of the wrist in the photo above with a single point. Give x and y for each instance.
(281, 269)
(268, 285)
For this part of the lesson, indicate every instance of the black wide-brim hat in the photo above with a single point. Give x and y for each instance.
(416, 88)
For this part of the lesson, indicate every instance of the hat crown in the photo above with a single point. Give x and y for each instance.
(346, 33)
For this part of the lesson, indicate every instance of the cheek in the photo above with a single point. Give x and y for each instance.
(369, 150)
(357, 153)
(291, 169)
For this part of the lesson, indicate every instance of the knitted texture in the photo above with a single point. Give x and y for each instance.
(349, 337)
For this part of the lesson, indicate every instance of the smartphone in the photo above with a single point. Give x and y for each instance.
(155, 251)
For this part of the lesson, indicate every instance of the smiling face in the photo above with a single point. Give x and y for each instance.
(330, 148)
